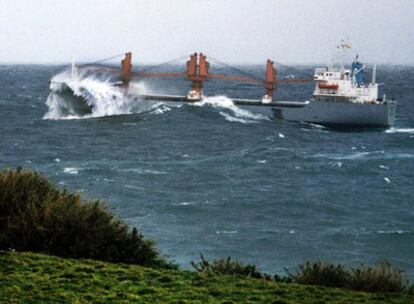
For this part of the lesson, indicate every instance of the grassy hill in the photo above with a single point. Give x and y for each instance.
(39, 278)
(37, 216)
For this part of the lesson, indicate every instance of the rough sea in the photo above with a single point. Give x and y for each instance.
(215, 179)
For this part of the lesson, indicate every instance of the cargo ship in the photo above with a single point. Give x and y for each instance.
(340, 98)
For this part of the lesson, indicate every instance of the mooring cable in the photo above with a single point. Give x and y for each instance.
(237, 69)
(153, 67)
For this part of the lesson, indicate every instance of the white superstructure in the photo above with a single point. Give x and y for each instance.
(342, 97)
(339, 84)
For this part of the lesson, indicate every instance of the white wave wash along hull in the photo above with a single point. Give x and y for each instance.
(340, 97)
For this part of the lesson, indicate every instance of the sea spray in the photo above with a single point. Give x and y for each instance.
(236, 114)
(91, 95)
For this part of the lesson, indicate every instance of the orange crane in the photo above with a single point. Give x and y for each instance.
(197, 71)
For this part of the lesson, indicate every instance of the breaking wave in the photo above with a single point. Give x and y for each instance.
(88, 95)
(230, 111)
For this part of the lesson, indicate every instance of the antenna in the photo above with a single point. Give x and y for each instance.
(73, 69)
(343, 46)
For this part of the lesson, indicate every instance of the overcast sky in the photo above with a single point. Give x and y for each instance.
(245, 31)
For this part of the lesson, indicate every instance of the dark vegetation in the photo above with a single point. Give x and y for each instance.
(227, 266)
(379, 278)
(36, 216)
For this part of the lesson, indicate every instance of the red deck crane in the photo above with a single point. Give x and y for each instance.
(126, 69)
(197, 71)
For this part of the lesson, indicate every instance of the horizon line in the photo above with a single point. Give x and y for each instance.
(60, 63)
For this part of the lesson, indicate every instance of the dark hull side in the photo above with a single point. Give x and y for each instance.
(342, 114)
(73, 104)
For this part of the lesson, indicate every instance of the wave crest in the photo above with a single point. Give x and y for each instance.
(88, 95)
(232, 112)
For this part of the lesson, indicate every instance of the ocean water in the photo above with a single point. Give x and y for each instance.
(215, 179)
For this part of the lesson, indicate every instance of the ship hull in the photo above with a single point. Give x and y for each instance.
(341, 113)
(331, 113)
(75, 105)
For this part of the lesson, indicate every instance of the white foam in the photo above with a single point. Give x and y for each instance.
(237, 114)
(70, 170)
(313, 127)
(155, 172)
(400, 130)
(226, 231)
(355, 156)
(100, 95)
(262, 161)
(134, 187)
(397, 231)
(228, 117)
(316, 125)
(144, 171)
(185, 204)
(384, 167)
(387, 180)
(160, 108)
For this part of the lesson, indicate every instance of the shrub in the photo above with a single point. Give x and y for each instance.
(319, 273)
(411, 290)
(378, 278)
(381, 277)
(36, 216)
(228, 267)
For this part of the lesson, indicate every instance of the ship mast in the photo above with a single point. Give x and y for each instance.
(374, 74)
(73, 69)
(343, 46)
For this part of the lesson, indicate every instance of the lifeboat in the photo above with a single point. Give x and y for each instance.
(328, 86)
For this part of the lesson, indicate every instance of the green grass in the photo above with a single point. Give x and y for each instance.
(38, 278)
